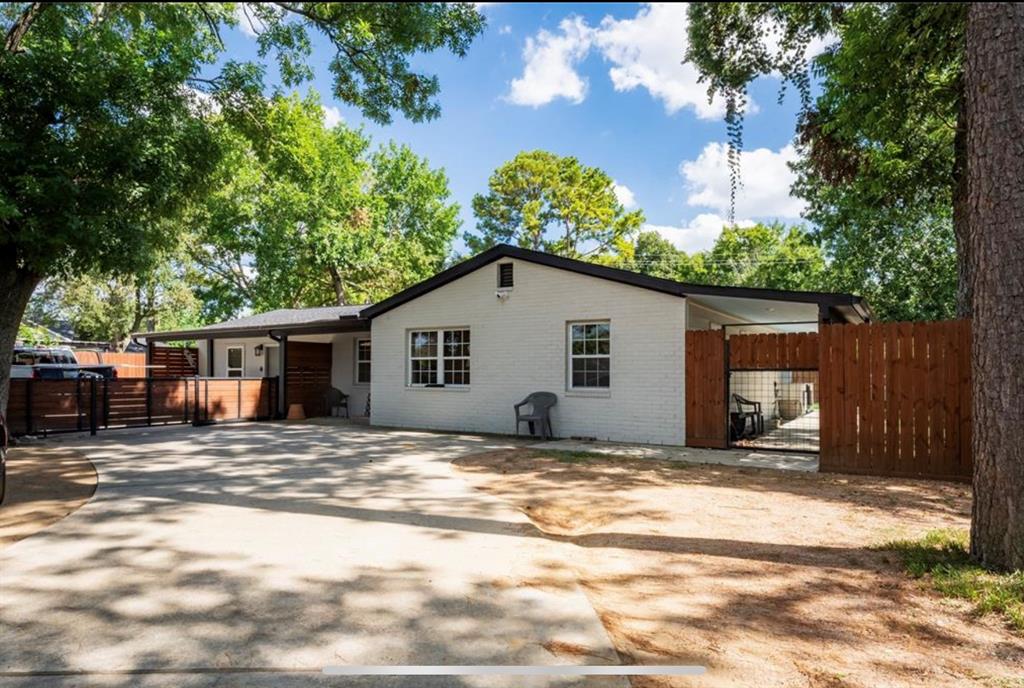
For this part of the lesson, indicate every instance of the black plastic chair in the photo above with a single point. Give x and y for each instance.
(540, 412)
(335, 399)
(754, 414)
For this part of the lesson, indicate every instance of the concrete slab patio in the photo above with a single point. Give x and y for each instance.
(256, 554)
(741, 458)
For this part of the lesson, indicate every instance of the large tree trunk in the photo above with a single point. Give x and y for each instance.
(16, 287)
(995, 169)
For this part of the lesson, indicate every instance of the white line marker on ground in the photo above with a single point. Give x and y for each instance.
(516, 670)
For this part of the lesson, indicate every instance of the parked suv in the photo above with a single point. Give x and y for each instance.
(54, 363)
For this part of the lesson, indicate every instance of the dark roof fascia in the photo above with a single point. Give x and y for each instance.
(635, 279)
(350, 323)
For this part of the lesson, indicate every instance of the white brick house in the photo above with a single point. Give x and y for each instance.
(456, 351)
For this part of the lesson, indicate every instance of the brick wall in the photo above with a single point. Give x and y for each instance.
(519, 346)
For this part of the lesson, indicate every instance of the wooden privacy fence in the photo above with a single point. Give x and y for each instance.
(705, 389)
(48, 406)
(795, 351)
(164, 361)
(174, 361)
(896, 399)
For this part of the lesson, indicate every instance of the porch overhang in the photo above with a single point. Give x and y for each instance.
(333, 326)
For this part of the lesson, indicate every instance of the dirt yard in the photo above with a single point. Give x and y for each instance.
(765, 577)
(44, 484)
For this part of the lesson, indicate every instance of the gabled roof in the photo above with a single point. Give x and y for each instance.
(853, 307)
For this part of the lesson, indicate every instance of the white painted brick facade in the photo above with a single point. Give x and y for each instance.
(519, 346)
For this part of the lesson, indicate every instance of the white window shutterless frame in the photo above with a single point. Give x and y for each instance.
(439, 357)
(590, 359)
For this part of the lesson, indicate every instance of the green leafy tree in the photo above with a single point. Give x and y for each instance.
(767, 256)
(104, 129)
(921, 113)
(882, 154)
(109, 309)
(545, 202)
(305, 215)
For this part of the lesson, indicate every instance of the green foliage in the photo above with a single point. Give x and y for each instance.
(545, 202)
(110, 308)
(303, 215)
(878, 164)
(36, 335)
(942, 557)
(373, 42)
(767, 256)
(98, 136)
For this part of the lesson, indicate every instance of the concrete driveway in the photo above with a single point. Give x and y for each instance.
(257, 554)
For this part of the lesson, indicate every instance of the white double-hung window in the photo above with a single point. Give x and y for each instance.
(439, 358)
(590, 355)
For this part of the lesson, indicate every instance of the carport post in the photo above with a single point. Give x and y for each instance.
(282, 372)
(209, 358)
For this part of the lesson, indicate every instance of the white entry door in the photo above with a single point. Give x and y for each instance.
(272, 361)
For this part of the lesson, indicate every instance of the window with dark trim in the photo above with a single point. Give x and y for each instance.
(439, 357)
(363, 358)
(505, 280)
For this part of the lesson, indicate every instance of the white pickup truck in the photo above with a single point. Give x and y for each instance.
(54, 363)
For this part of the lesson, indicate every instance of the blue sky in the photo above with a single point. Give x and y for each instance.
(602, 82)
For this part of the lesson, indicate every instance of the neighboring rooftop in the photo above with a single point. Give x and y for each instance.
(289, 316)
(322, 319)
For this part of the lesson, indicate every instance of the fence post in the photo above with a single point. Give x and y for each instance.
(78, 402)
(195, 410)
(106, 403)
(28, 406)
(149, 400)
(185, 419)
(92, 406)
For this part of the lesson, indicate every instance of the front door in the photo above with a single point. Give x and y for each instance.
(272, 362)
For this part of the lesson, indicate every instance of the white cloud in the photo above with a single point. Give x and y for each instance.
(505, 30)
(699, 234)
(765, 176)
(332, 116)
(248, 22)
(550, 70)
(647, 52)
(624, 194)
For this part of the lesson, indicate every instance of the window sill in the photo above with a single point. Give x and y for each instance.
(448, 388)
(594, 393)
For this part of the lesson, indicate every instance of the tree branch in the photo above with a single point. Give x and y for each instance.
(18, 30)
(212, 24)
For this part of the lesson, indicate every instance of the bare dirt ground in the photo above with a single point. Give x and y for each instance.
(765, 577)
(44, 484)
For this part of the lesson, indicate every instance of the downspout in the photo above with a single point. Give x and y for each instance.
(282, 372)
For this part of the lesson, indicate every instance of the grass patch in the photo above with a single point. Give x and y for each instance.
(942, 557)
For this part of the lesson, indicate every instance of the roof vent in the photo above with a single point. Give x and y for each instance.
(505, 276)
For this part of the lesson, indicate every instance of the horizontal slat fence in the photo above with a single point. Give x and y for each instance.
(129, 364)
(49, 406)
(174, 361)
(896, 399)
(770, 351)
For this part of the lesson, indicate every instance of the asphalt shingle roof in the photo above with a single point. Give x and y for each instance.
(288, 316)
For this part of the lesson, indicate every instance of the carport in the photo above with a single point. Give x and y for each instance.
(308, 350)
